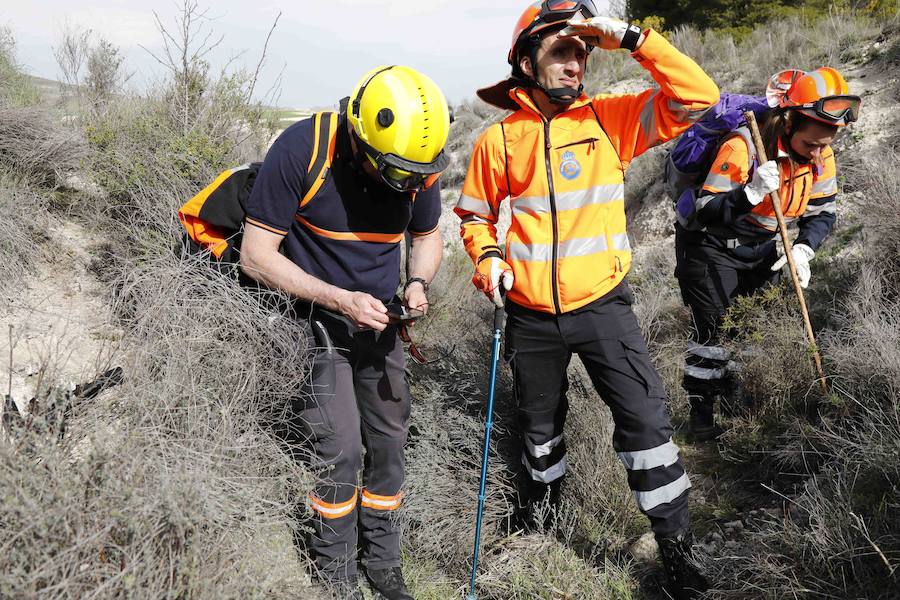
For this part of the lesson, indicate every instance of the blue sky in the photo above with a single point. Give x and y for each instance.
(321, 47)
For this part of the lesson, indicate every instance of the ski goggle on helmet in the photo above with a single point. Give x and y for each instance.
(401, 122)
(822, 95)
(545, 14)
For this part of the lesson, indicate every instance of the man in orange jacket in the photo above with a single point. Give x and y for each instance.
(560, 159)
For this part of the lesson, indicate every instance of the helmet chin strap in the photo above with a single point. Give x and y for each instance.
(562, 95)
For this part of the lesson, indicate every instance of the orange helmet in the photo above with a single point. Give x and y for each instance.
(545, 14)
(822, 95)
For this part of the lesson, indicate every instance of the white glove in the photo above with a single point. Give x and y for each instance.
(493, 275)
(603, 32)
(802, 255)
(766, 180)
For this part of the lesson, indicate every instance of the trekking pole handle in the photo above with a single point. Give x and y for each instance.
(750, 119)
(499, 318)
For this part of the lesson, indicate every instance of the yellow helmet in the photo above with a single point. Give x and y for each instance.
(401, 121)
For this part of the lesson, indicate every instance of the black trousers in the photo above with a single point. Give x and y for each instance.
(711, 276)
(606, 336)
(357, 397)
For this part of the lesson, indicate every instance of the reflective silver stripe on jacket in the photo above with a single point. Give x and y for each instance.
(648, 121)
(720, 183)
(770, 223)
(598, 194)
(473, 218)
(817, 209)
(660, 456)
(825, 187)
(567, 248)
(683, 114)
(481, 207)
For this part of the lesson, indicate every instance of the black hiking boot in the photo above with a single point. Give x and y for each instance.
(346, 589)
(702, 422)
(684, 581)
(389, 583)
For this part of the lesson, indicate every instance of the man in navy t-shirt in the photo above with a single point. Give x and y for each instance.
(339, 234)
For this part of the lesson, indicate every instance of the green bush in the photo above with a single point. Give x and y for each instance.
(16, 89)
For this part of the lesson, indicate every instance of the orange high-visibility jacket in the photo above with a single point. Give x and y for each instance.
(567, 243)
(805, 190)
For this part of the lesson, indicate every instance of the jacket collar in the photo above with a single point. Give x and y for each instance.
(520, 96)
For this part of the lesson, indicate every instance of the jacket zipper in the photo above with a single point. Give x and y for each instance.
(590, 141)
(799, 202)
(553, 265)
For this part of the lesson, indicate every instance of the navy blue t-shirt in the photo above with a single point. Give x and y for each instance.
(349, 234)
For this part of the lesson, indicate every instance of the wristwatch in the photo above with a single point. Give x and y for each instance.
(412, 280)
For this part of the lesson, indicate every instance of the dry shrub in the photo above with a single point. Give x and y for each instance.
(147, 167)
(443, 474)
(776, 380)
(32, 145)
(717, 53)
(447, 427)
(469, 120)
(172, 484)
(839, 536)
(536, 567)
(785, 42)
(25, 218)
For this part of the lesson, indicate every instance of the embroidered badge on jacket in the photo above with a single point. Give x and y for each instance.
(570, 167)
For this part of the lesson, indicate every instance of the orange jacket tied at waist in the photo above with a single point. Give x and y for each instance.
(567, 242)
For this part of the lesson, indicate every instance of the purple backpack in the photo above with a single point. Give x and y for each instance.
(689, 161)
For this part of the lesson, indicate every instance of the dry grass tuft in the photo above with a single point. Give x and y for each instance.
(25, 218)
(32, 145)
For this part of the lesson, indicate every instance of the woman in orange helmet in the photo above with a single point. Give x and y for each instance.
(735, 254)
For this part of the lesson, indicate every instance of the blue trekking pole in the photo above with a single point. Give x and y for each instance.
(489, 423)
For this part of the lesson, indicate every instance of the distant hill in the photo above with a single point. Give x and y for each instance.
(51, 90)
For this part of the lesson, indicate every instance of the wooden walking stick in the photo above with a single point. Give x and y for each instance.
(750, 119)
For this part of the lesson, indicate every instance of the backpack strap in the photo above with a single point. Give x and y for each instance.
(325, 128)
